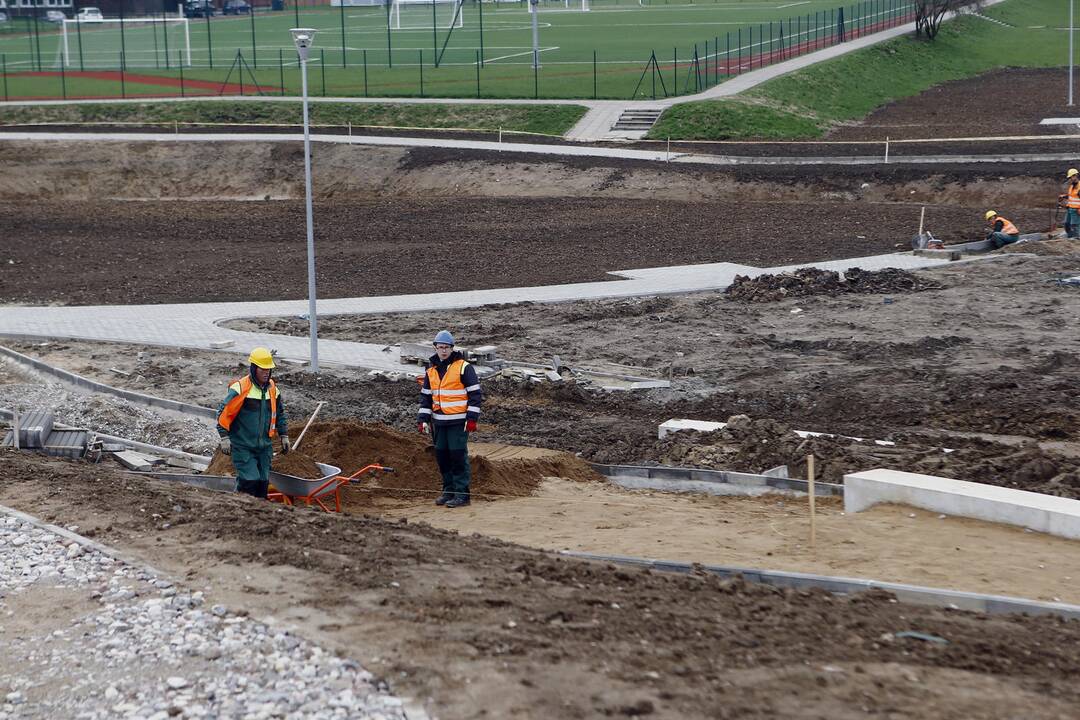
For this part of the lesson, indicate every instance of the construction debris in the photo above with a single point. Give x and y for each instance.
(812, 281)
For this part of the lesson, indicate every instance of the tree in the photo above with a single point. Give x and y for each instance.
(930, 13)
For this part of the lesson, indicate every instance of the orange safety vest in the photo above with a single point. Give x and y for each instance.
(449, 398)
(1072, 199)
(232, 408)
(1006, 225)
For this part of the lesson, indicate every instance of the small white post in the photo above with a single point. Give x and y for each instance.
(15, 430)
(810, 489)
(922, 217)
(668, 158)
(886, 149)
(500, 136)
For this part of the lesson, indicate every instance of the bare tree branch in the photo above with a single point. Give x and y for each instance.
(930, 13)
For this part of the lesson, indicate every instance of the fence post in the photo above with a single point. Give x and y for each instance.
(740, 52)
(63, 80)
(165, 37)
(389, 47)
(123, 88)
(281, 71)
(477, 73)
(180, 64)
(240, 66)
(536, 78)
(594, 74)
(365, 74)
(422, 69)
(210, 42)
(322, 63)
(3, 68)
(341, 4)
(675, 70)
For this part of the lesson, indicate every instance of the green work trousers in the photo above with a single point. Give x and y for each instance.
(252, 469)
(452, 454)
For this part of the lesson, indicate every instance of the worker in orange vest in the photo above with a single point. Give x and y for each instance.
(1002, 231)
(1070, 200)
(450, 400)
(249, 418)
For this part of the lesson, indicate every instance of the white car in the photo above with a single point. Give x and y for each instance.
(3, 17)
(55, 16)
(90, 14)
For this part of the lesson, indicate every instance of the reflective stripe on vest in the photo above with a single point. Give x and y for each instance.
(244, 387)
(1006, 226)
(449, 398)
(1073, 199)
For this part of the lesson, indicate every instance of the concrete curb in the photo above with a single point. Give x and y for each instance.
(88, 384)
(725, 477)
(915, 594)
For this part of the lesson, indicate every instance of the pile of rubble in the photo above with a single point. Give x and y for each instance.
(812, 281)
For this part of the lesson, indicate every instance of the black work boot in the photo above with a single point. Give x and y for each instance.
(459, 500)
(444, 498)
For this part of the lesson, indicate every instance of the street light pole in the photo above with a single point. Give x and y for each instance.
(303, 38)
(1071, 4)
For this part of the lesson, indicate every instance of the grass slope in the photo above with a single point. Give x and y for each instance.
(804, 104)
(546, 119)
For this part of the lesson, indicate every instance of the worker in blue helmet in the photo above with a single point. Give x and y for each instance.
(450, 400)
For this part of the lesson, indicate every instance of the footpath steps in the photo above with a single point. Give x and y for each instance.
(637, 120)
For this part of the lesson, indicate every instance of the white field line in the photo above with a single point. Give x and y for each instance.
(794, 4)
(505, 57)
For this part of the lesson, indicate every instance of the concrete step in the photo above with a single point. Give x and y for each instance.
(637, 119)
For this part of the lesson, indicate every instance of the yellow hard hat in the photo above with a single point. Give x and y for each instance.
(261, 357)
(990, 214)
(1072, 171)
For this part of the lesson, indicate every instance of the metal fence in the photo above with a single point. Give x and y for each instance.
(154, 60)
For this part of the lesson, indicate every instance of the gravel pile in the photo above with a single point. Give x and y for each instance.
(118, 643)
(113, 416)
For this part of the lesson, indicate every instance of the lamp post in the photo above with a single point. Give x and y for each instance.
(1071, 3)
(303, 38)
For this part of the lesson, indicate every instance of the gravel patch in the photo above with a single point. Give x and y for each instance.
(89, 637)
(113, 416)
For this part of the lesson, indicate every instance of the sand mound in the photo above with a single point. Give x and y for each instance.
(352, 445)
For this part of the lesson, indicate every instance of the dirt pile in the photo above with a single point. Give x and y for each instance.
(747, 445)
(1061, 246)
(296, 463)
(812, 281)
(352, 445)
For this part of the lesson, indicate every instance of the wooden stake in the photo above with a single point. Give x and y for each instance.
(310, 419)
(810, 489)
(922, 216)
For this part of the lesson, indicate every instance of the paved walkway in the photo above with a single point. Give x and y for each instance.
(195, 325)
(534, 149)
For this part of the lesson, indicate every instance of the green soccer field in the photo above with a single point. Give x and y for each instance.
(605, 52)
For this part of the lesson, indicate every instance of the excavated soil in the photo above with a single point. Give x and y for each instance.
(812, 281)
(474, 627)
(972, 108)
(352, 446)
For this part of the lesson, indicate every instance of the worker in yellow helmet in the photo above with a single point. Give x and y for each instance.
(1002, 231)
(1070, 200)
(249, 418)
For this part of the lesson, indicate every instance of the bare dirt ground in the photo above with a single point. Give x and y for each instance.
(971, 107)
(475, 627)
(982, 361)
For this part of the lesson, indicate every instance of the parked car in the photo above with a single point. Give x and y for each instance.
(3, 17)
(90, 14)
(55, 16)
(236, 7)
(198, 8)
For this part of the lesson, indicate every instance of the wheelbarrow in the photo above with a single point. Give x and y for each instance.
(290, 490)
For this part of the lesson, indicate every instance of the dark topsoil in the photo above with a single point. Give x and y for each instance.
(483, 628)
(113, 252)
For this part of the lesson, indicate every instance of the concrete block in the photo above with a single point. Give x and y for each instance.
(67, 443)
(222, 344)
(1043, 513)
(553, 376)
(35, 427)
(675, 425)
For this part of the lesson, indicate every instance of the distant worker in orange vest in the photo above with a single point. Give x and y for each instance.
(1002, 231)
(1070, 200)
(249, 418)
(450, 400)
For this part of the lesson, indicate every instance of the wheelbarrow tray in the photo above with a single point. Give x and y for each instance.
(303, 487)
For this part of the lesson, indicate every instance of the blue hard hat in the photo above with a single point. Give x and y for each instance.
(443, 337)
